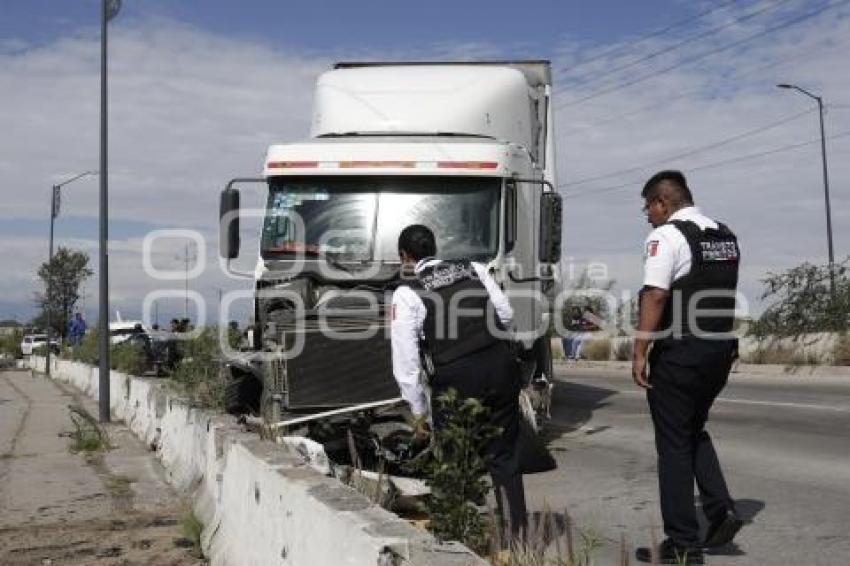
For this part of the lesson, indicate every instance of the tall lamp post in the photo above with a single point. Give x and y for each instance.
(55, 199)
(819, 100)
(109, 9)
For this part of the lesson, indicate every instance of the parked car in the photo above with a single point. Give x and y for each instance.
(31, 342)
(122, 330)
(160, 350)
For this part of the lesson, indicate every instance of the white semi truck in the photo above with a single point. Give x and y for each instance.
(464, 148)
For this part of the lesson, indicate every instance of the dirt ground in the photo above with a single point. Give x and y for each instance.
(108, 507)
(122, 539)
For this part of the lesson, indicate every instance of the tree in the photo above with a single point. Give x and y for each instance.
(64, 274)
(802, 301)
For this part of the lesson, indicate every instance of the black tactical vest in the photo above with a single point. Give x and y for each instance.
(709, 286)
(458, 308)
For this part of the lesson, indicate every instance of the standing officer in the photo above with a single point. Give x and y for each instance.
(470, 354)
(686, 307)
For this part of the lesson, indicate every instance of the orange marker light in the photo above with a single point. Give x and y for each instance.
(467, 164)
(292, 164)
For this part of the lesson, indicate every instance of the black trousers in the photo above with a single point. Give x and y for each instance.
(491, 376)
(686, 377)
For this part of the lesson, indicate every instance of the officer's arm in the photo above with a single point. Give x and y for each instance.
(405, 327)
(652, 300)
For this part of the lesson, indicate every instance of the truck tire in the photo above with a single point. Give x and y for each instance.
(536, 396)
(543, 354)
(242, 393)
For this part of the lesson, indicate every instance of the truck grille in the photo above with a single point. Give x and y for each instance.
(332, 371)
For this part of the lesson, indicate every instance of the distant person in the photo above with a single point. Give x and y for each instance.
(573, 327)
(76, 330)
(588, 322)
(688, 256)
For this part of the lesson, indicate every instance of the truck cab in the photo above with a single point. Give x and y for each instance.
(463, 148)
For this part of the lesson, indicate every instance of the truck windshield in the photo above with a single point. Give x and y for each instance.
(360, 218)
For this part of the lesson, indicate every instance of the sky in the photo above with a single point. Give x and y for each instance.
(199, 89)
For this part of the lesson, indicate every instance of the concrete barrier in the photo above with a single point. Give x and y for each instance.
(806, 349)
(260, 502)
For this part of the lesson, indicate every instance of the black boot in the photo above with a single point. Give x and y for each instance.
(723, 530)
(668, 552)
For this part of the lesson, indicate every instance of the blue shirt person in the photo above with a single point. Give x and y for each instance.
(76, 330)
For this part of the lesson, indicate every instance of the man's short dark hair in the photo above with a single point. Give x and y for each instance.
(417, 241)
(671, 178)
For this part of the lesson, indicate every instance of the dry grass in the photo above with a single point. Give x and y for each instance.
(551, 541)
(842, 350)
(597, 350)
(192, 530)
(88, 436)
(773, 353)
(623, 350)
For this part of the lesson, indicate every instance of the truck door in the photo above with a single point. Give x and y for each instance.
(520, 252)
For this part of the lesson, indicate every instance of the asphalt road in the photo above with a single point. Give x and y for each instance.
(783, 441)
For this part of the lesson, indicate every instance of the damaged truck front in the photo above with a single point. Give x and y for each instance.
(464, 148)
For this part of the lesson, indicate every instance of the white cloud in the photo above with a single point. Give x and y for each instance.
(190, 110)
(775, 203)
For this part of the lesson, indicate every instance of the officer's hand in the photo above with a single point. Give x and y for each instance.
(421, 430)
(639, 372)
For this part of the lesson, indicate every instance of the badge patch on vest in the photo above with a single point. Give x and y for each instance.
(652, 248)
(447, 273)
(725, 250)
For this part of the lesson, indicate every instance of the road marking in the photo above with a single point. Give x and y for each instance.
(765, 403)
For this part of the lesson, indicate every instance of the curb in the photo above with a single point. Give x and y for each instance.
(260, 502)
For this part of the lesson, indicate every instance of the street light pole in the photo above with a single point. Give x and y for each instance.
(55, 199)
(109, 9)
(819, 100)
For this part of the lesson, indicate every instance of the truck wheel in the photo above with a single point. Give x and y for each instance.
(536, 396)
(527, 411)
(543, 355)
(242, 393)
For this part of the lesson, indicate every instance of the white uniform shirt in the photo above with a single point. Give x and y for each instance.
(408, 317)
(667, 255)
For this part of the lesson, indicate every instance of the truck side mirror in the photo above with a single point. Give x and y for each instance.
(228, 215)
(550, 227)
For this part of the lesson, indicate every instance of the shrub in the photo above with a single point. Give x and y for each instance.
(596, 349)
(127, 358)
(88, 351)
(456, 471)
(199, 374)
(802, 301)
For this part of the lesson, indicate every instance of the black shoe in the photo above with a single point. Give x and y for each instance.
(723, 531)
(670, 553)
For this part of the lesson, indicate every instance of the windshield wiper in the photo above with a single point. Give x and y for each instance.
(314, 253)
